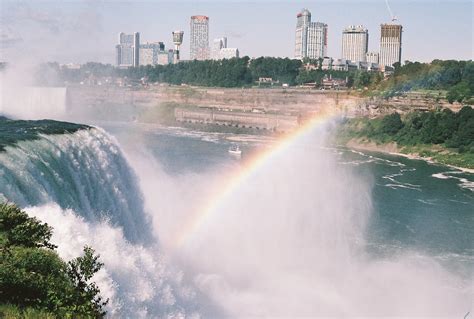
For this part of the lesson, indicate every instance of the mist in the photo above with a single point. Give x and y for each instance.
(289, 240)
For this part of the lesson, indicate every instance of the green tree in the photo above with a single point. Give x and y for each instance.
(33, 276)
(391, 124)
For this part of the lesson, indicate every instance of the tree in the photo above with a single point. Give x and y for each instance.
(87, 295)
(33, 275)
(391, 124)
(22, 230)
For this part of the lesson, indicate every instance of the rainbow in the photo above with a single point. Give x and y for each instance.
(194, 223)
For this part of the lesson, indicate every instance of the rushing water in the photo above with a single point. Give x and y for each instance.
(317, 230)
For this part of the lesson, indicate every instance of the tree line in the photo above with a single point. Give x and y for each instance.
(444, 127)
(455, 77)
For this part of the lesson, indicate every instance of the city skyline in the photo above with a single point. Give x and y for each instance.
(94, 30)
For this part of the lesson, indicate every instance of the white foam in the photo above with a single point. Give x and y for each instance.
(135, 278)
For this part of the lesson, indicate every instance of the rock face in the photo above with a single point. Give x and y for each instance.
(283, 101)
(126, 103)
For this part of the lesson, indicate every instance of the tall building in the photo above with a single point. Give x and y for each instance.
(390, 44)
(355, 43)
(199, 38)
(372, 57)
(149, 52)
(310, 38)
(128, 50)
(217, 45)
(317, 40)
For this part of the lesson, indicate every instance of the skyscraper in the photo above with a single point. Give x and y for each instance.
(390, 44)
(128, 50)
(310, 37)
(355, 43)
(199, 38)
(317, 40)
(149, 53)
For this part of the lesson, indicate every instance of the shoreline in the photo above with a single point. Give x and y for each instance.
(393, 149)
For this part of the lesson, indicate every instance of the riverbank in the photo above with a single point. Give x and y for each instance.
(440, 136)
(429, 153)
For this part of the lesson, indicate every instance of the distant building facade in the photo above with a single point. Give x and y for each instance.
(149, 53)
(199, 37)
(217, 45)
(310, 37)
(372, 57)
(355, 43)
(128, 50)
(221, 51)
(390, 44)
(228, 53)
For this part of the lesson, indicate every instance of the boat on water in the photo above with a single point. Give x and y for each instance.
(235, 150)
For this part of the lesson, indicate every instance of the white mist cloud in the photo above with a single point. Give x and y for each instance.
(289, 242)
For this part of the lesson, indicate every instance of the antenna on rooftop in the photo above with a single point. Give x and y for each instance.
(393, 17)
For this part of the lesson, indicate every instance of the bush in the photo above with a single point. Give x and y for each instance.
(391, 124)
(33, 276)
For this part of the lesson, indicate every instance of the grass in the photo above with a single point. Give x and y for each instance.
(441, 154)
(8, 311)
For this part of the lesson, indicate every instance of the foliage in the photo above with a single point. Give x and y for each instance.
(391, 124)
(452, 133)
(81, 270)
(442, 135)
(457, 77)
(32, 276)
(14, 312)
(21, 230)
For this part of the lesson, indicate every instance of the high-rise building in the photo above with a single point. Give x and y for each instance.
(310, 38)
(355, 43)
(217, 45)
(372, 57)
(317, 40)
(149, 53)
(390, 44)
(199, 37)
(128, 50)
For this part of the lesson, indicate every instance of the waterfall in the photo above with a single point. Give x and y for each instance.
(85, 171)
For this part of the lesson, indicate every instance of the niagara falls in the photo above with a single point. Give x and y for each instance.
(273, 172)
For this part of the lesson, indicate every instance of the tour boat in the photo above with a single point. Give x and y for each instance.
(235, 150)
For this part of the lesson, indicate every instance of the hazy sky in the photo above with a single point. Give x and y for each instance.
(80, 31)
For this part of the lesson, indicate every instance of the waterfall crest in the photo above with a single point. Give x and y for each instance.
(85, 171)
